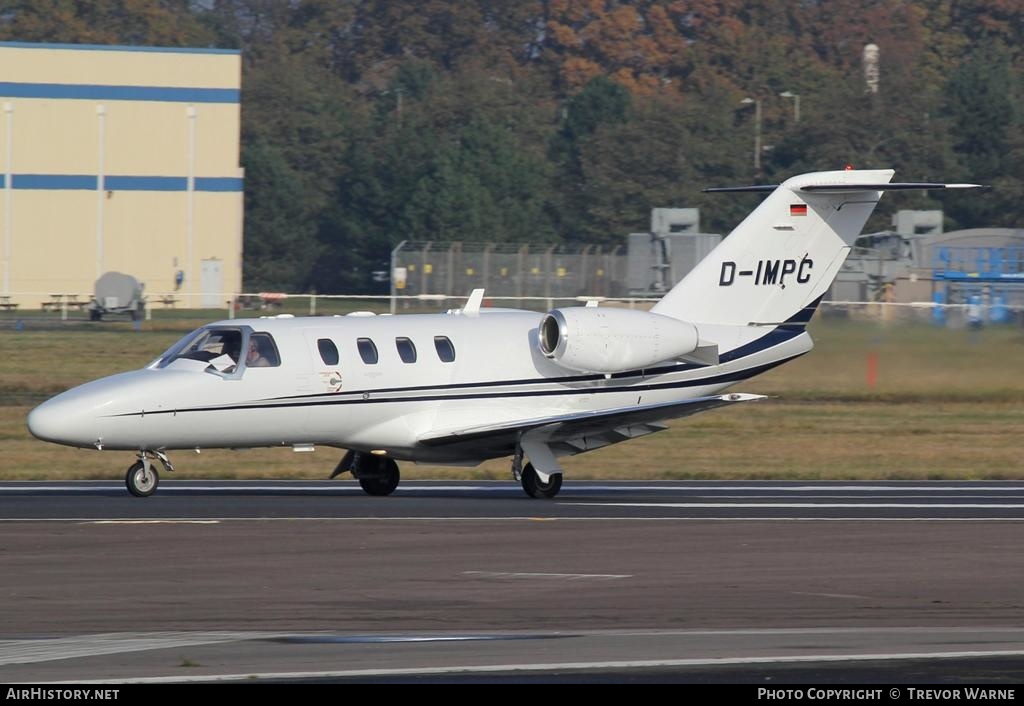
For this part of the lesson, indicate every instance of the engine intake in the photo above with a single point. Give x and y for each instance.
(607, 340)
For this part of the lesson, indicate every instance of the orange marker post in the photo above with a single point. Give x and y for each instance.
(872, 369)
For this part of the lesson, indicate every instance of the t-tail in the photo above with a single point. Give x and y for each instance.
(777, 264)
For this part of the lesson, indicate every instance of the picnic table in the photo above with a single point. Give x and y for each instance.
(59, 300)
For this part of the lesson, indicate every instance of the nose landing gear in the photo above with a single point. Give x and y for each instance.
(142, 478)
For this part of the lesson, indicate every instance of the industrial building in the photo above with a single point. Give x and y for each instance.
(119, 158)
(917, 261)
(665, 254)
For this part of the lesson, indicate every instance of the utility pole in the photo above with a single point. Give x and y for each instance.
(757, 131)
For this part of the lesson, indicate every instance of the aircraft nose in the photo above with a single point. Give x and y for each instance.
(42, 422)
(104, 413)
(55, 421)
(75, 417)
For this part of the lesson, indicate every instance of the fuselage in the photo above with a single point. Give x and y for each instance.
(375, 383)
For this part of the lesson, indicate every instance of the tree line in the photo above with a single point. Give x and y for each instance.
(369, 122)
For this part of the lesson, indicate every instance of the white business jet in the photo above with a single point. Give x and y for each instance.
(480, 383)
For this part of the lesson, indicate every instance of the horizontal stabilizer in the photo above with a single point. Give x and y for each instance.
(841, 188)
(740, 189)
(898, 186)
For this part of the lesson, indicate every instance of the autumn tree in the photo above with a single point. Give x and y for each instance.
(368, 122)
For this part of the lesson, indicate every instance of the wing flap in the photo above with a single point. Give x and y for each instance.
(607, 426)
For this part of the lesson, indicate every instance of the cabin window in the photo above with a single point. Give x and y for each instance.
(406, 350)
(328, 351)
(445, 349)
(367, 350)
(262, 353)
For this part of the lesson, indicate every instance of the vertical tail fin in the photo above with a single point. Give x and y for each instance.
(782, 258)
(778, 263)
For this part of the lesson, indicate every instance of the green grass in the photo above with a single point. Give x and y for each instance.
(914, 362)
(946, 404)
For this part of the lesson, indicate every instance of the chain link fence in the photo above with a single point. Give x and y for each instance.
(508, 270)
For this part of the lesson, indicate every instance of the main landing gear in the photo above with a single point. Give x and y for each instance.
(377, 475)
(142, 478)
(530, 479)
(535, 487)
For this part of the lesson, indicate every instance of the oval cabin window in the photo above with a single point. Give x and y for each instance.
(445, 349)
(367, 350)
(406, 350)
(328, 351)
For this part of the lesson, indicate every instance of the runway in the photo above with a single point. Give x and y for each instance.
(667, 581)
(340, 500)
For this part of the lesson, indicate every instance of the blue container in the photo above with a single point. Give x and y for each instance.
(999, 313)
(939, 312)
(975, 311)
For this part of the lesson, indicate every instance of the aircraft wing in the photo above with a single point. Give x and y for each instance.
(582, 431)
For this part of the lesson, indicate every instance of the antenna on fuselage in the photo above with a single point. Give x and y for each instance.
(472, 307)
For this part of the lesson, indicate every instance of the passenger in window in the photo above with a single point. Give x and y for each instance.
(257, 357)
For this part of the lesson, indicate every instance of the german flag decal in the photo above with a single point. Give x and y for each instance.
(798, 209)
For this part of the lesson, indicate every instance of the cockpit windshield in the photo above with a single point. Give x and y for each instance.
(220, 348)
(225, 351)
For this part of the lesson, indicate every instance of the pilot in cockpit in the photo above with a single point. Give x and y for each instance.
(256, 357)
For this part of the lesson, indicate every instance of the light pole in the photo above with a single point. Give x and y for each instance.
(101, 186)
(757, 131)
(796, 104)
(8, 176)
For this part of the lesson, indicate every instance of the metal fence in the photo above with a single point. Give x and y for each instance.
(434, 276)
(507, 269)
(978, 312)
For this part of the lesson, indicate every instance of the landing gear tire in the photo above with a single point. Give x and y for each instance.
(381, 480)
(140, 483)
(535, 488)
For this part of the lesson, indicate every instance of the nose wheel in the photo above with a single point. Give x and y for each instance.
(141, 479)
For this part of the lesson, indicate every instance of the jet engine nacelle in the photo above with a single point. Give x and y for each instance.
(605, 340)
